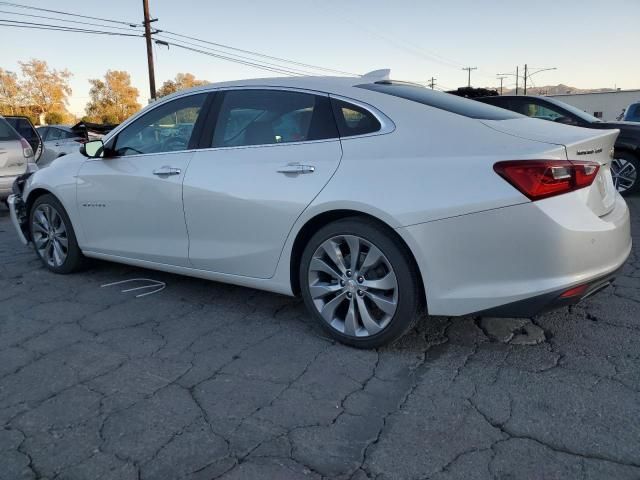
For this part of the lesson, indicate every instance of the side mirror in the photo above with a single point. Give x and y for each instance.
(93, 149)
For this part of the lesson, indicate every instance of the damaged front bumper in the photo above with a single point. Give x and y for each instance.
(18, 212)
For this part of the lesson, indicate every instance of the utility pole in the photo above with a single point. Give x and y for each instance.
(517, 77)
(468, 69)
(501, 79)
(147, 34)
(432, 82)
(525, 78)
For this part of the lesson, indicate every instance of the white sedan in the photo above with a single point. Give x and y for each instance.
(372, 199)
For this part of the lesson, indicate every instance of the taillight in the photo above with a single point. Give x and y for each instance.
(27, 151)
(538, 179)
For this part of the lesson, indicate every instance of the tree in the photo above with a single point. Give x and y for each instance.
(54, 118)
(113, 99)
(44, 87)
(182, 81)
(10, 92)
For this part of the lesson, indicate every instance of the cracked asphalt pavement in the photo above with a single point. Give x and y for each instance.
(205, 380)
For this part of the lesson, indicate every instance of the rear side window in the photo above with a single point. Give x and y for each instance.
(265, 117)
(353, 120)
(443, 101)
(7, 132)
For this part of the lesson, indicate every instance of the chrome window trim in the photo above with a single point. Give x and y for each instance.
(386, 124)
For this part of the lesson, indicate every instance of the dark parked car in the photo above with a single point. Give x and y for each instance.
(626, 162)
(632, 113)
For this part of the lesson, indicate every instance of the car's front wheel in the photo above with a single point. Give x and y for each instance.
(359, 283)
(53, 237)
(624, 170)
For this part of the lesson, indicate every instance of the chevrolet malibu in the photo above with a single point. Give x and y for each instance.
(370, 198)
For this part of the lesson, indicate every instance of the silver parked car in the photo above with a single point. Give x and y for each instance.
(16, 157)
(59, 140)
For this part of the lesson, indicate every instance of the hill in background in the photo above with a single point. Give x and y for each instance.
(555, 90)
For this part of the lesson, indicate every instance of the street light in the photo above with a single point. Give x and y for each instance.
(512, 75)
(527, 75)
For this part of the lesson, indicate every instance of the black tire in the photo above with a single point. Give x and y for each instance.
(633, 160)
(74, 260)
(408, 284)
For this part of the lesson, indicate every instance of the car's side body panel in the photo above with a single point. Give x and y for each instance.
(127, 210)
(239, 207)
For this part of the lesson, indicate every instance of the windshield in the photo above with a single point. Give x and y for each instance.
(576, 111)
(633, 113)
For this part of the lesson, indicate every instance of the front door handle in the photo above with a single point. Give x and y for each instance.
(297, 169)
(166, 171)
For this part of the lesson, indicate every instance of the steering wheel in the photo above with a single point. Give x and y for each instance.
(172, 144)
(121, 150)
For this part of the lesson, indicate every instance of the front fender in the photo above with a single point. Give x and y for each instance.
(60, 180)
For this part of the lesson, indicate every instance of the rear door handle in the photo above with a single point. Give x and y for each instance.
(166, 171)
(297, 169)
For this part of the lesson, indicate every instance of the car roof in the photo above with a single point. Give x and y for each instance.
(318, 83)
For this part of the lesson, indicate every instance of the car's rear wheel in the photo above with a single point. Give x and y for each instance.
(624, 170)
(53, 237)
(359, 283)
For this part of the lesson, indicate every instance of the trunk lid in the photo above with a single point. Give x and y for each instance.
(581, 144)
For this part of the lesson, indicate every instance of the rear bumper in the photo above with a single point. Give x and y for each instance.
(517, 261)
(533, 306)
(17, 212)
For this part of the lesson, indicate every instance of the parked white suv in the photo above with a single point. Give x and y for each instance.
(16, 157)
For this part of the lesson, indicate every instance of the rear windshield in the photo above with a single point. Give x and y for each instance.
(443, 101)
(7, 132)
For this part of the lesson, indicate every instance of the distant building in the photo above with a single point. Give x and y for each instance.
(605, 105)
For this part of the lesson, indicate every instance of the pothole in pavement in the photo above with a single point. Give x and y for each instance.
(514, 331)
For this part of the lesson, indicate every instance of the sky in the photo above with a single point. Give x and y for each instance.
(592, 43)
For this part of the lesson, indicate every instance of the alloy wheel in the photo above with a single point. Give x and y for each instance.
(624, 174)
(50, 235)
(353, 286)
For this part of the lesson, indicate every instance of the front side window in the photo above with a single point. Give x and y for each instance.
(354, 120)
(167, 128)
(266, 117)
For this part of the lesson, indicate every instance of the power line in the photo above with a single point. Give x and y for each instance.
(258, 54)
(67, 21)
(175, 34)
(59, 12)
(60, 28)
(241, 57)
(243, 62)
